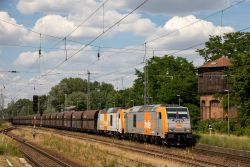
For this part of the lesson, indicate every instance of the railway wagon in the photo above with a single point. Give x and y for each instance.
(21, 120)
(77, 120)
(60, 120)
(111, 121)
(16, 120)
(67, 120)
(28, 119)
(146, 123)
(89, 121)
(44, 120)
(38, 120)
(52, 123)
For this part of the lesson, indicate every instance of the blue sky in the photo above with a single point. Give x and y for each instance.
(59, 17)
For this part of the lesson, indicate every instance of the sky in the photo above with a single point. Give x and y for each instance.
(71, 33)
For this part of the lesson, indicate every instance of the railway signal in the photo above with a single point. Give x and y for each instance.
(210, 129)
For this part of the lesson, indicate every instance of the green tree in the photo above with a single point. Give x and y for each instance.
(20, 107)
(240, 82)
(168, 77)
(77, 99)
(42, 102)
(231, 44)
(101, 94)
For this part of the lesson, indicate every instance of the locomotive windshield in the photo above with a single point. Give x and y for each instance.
(177, 113)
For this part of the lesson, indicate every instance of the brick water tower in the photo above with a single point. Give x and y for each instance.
(212, 80)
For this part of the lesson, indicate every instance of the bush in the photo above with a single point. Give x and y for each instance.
(217, 126)
(221, 127)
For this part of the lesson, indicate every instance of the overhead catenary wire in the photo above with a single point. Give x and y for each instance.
(242, 30)
(83, 22)
(62, 38)
(190, 47)
(141, 63)
(185, 26)
(186, 48)
(97, 37)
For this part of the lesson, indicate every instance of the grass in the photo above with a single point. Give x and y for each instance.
(7, 147)
(4, 125)
(222, 140)
(90, 153)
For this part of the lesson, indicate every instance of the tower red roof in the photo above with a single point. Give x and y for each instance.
(221, 62)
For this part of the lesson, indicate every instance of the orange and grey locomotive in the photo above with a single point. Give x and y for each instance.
(159, 124)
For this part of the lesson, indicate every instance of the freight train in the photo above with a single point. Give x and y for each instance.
(159, 124)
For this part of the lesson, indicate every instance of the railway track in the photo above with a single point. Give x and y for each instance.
(197, 156)
(236, 158)
(164, 153)
(37, 156)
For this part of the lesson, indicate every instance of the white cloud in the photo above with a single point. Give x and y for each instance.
(172, 35)
(62, 26)
(9, 33)
(27, 59)
(174, 7)
(2, 76)
(56, 6)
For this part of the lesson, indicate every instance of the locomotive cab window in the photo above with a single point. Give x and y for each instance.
(111, 120)
(177, 113)
(134, 121)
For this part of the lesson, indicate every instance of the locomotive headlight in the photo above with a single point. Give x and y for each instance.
(171, 129)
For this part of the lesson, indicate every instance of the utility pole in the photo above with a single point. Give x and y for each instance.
(88, 96)
(228, 125)
(2, 103)
(145, 77)
(65, 97)
(179, 99)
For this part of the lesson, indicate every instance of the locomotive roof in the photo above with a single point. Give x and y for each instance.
(144, 108)
(110, 110)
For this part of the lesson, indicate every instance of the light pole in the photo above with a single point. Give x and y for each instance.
(179, 99)
(228, 126)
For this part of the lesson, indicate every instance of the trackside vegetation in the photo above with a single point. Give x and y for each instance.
(7, 147)
(223, 140)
